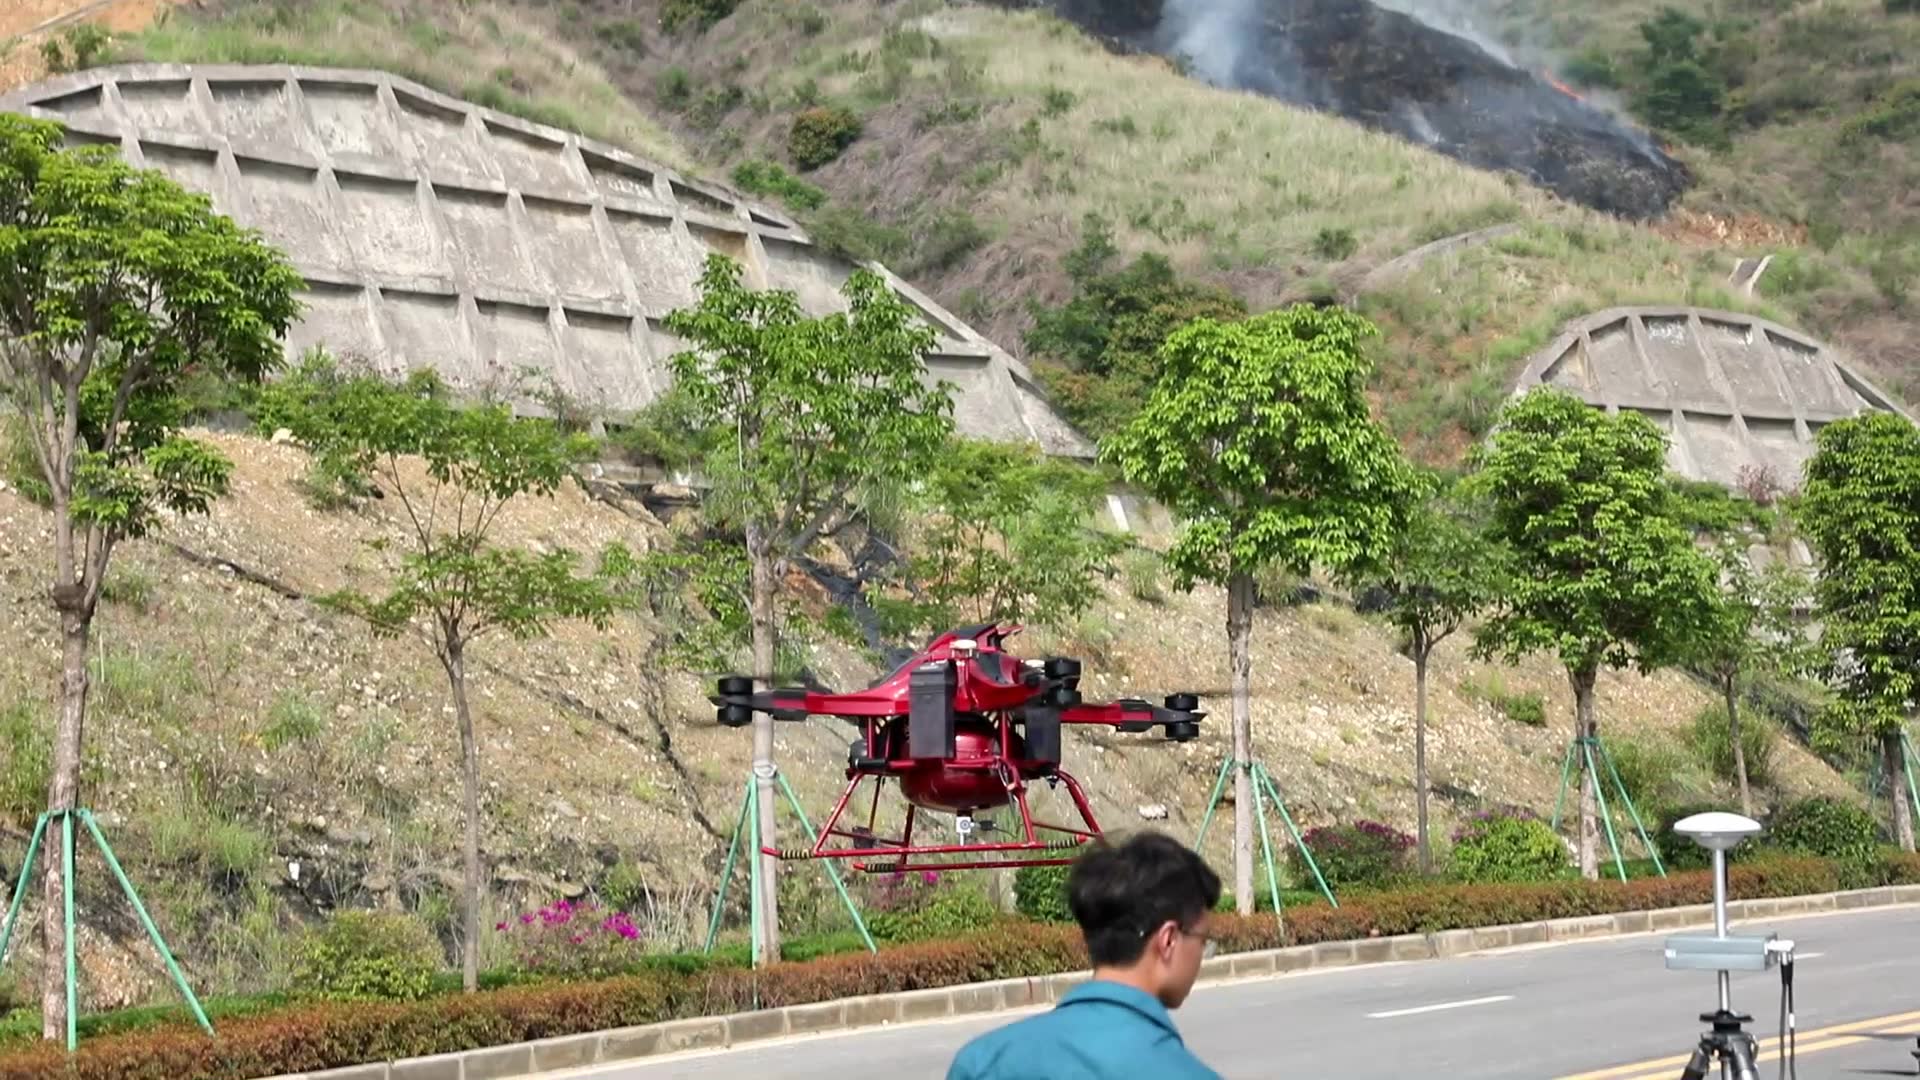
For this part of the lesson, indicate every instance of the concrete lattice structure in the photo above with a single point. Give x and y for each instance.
(432, 232)
(1730, 390)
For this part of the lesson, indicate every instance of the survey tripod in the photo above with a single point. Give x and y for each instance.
(67, 821)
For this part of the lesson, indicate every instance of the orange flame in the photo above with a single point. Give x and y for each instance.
(1558, 85)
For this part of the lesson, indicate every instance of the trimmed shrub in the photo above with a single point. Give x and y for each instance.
(819, 135)
(369, 956)
(1828, 827)
(315, 1037)
(573, 939)
(1040, 893)
(1509, 844)
(1366, 854)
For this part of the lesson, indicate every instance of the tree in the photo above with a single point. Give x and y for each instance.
(1749, 628)
(1257, 435)
(1442, 571)
(1097, 352)
(1860, 509)
(1602, 573)
(116, 286)
(1004, 534)
(806, 418)
(452, 471)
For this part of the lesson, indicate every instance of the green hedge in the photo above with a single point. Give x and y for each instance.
(322, 1036)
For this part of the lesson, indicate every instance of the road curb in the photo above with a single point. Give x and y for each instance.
(976, 999)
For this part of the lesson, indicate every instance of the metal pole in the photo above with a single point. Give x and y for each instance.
(753, 867)
(852, 909)
(140, 909)
(73, 978)
(726, 873)
(1273, 792)
(1213, 802)
(1266, 844)
(1720, 915)
(20, 887)
(1560, 797)
(1631, 809)
(1600, 793)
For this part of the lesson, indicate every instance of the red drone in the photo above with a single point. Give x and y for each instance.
(942, 724)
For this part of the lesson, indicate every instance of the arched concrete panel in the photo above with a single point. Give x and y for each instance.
(433, 232)
(1730, 390)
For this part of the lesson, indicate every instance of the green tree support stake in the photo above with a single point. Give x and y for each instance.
(1583, 747)
(153, 932)
(1266, 843)
(1262, 776)
(1600, 794)
(73, 966)
(20, 887)
(1262, 779)
(1632, 811)
(1906, 745)
(750, 823)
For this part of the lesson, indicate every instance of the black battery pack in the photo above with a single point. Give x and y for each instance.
(930, 719)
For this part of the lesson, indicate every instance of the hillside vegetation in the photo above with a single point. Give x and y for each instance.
(985, 139)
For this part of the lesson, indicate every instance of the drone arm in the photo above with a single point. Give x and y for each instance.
(1181, 716)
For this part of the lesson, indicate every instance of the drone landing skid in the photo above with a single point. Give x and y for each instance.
(1044, 843)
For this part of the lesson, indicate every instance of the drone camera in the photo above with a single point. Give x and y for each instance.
(930, 716)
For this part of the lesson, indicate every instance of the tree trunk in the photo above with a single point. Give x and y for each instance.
(470, 784)
(1421, 650)
(63, 794)
(1739, 747)
(1584, 726)
(761, 615)
(1239, 631)
(1897, 777)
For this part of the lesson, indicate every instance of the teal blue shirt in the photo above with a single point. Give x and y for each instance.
(1098, 1031)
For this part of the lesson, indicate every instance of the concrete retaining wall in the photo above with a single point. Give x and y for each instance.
(715, 1032)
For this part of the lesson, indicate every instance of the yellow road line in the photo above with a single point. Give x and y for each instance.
(1826, 1038)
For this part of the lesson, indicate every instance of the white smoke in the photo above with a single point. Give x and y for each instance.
(1461, 18)
(1209, 35)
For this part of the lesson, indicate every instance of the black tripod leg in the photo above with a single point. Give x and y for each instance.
(1742, 1051)
(1699, 1063)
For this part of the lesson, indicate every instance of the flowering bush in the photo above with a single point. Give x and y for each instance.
(571, 938)
(1365, 853)
(1509, 843)
(922, 905)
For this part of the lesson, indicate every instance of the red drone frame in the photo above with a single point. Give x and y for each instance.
(942, 725)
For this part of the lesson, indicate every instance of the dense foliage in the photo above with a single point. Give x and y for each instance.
(1365, 854)
(369, 956)
(1508, 844)
(1828, 827)
(820, 133)
(1098, 353)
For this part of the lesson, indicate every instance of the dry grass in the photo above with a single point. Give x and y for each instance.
(485, 52)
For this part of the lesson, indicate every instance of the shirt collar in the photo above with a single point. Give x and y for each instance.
(1123, 995)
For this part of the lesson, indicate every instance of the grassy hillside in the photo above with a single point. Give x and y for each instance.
(987, 136)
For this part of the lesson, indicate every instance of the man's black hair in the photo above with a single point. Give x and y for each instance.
(1121, 893)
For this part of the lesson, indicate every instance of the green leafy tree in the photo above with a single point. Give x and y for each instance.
(808, 419)
(1860, 510)
(1749, 630)
(451, 470)
(116, 287)
(1098, 353)
(1442, 571)
(1005, 534)
(1257, 435)
(1602, 572)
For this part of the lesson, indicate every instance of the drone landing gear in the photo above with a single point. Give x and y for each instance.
(1726, 1043)
(1043, 843)
(749, 824)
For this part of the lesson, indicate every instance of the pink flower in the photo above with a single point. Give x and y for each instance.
(500, 926)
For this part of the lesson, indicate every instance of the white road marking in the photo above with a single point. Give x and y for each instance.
(1441, 1006)
(1808, 955)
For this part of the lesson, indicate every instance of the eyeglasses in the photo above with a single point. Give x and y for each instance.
(1207, 951)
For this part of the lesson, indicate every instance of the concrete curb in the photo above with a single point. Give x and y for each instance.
(851, 1014)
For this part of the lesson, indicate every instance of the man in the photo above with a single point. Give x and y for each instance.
(1142, 906)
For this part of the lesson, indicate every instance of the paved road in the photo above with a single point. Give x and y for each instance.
(1601, 1010)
